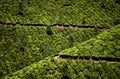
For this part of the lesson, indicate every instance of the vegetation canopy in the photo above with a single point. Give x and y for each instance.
(59, 39)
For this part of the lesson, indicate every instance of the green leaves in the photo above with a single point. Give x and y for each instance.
(49, 68)
(26, 45)
(66, 12)
(105, 44)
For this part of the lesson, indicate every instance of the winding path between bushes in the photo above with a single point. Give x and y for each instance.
(53, 25)
(92, 58)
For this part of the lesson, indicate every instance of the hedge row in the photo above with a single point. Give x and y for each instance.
(22, 46)
(78, 12)
(106, 44)
(49, 68)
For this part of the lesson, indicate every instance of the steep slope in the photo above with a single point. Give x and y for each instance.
(22, 46)
(106, 44)
(50, 68)
(78, 12)
(79, 69)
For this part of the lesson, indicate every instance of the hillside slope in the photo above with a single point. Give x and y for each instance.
(106, 44)
(50, 68)
(78, 12)
(22, 46)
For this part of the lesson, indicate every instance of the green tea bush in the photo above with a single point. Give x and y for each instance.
(73, 69)
(22, 46)
(105, 44)
(75, 12)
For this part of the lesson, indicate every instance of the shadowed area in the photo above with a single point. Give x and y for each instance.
(68, 57)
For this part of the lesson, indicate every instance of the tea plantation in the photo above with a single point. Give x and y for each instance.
(51, 68)
(78, 12)
(59, 39)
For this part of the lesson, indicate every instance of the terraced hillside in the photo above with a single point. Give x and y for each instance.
(60, 68)
(22, 46)
(104, 45)
(68, 69)
(59, 39)
(78, 12)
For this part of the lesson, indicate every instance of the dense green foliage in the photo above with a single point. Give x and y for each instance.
(27, 52)
(22, 46)
(106, 44)
(68, 69)
(79, 12)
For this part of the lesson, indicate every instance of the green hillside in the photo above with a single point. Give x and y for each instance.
(22, 46)
(50, 68)
(59, 39)
(78, 12)
(106, 44)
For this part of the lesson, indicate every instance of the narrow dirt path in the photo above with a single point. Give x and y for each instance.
(53, 25)
(93, 58)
